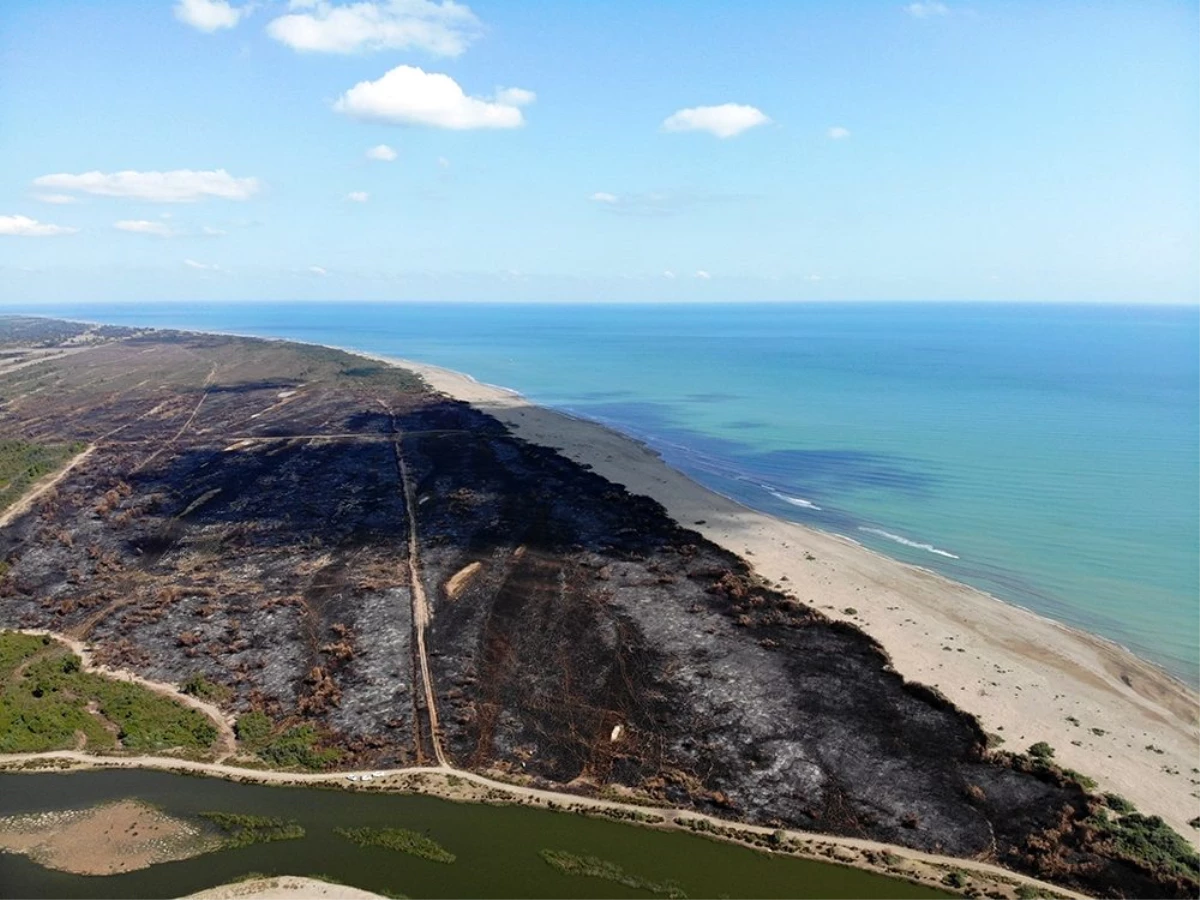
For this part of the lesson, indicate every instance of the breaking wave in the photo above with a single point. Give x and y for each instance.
(795, 501)
(907, 543)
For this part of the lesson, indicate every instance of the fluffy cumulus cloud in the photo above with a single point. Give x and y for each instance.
(142, 226)
(381, 153)
(358, 196)
(318, 26)
(927, 9)
(408, 95)
(725, 121)
(209, 15)
(27, 227)
(180, 186)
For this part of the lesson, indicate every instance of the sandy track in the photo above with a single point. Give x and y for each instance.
(421, 612)
(43, 485)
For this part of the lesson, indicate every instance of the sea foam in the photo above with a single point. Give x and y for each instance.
(795, 501)
(907, 543)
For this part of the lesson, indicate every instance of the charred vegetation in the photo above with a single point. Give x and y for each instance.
(242, 520)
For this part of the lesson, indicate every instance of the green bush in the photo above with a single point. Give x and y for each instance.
(1041, 750)
(1117, 803)
(297, 747)
(401, 840)
(243, 830)
(253, 729)
(198, 685)
(46, 705)
(594, 867)
(1151, 841)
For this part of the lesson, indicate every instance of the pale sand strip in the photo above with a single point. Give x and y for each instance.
(1022, 675)
(283, 887)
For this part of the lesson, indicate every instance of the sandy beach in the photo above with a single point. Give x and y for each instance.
(1107, 714)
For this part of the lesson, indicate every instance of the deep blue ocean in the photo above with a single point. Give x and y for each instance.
(1049, 454)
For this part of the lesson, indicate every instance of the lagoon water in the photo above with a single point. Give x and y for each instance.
(1048, 454)
(497, 847)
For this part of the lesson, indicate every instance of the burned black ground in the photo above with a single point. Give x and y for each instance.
(242, 516)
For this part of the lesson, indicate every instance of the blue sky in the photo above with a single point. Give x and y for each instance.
(624, 151)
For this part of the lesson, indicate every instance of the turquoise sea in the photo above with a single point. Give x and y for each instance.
(1049, 454)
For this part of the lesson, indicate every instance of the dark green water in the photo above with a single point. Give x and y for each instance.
(497, 847)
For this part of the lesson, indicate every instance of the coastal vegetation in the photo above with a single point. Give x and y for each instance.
(1152, 841)
(241, 830)
(200, 686)
(594, 867)
(291, 747)
(47, 702)
(24, 462)
(401, 840)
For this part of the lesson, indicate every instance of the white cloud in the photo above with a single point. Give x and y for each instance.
(408, 95)
(212, 232)
(443, 29)
(56, 198)
(317, 270)
(725, 121)
(358, 196)
(142, 226)
(443, 163)
(27, 227)
(669, 274)
(382, 153)
(515, 96)
(204, 267)
(209, 15)
(838, 133)
(927, 9)
(660, 203)
(179, 186)
(702, 275)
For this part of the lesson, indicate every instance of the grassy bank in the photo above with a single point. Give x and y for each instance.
(47, 702)
(22, 463)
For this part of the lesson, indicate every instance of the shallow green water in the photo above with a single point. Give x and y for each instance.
(497, 847)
